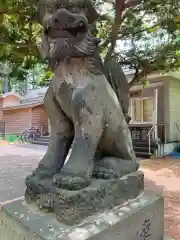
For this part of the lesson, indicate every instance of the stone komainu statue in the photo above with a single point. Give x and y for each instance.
(86, 103)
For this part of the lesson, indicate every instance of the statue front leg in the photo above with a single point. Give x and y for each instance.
(88, 125)
(61, 140)
(120, 159)
(61, 137)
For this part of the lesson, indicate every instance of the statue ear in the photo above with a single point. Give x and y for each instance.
(39, 15)
(44, 47)
(90, 12)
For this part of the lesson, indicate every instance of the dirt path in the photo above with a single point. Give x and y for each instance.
(165, 173)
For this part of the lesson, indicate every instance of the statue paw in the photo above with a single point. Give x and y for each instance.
(29, 194)
(31, 181)
(35, 185)
(32, 186)
(45, 171)
(111, 167)
(46, 202)
(70, 182)
(105, 173)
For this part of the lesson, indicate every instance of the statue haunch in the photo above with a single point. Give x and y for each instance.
(88, 127)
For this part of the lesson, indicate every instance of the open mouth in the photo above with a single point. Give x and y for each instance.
(67, 31)
(76, 30)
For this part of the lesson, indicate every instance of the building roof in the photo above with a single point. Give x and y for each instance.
(20, 106)
(35, 93)
(130, 74)
(33, 98)
(140, 87)
(10, 94)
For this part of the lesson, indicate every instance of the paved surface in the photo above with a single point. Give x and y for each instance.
(32, 146)
(16, 162)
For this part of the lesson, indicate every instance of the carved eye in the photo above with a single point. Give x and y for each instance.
(75, 9)
(58, 6)
(50, 9)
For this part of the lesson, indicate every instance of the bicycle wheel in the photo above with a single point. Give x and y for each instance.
(30, 136)
(26, 135)
(38, 133)
(23, 136)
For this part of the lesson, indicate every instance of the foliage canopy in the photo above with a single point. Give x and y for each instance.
(141, 34)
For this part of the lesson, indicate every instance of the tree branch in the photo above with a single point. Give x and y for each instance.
(131, 3)
(137, 77)
(23, 45)
(120, 7)
(105, 17)
(149, 68)
(125, 34)
(15, 12)
(105, 43)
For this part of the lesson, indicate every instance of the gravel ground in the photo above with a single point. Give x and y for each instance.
(15, 164)
(18, 161)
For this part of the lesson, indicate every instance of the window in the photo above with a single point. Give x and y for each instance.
(142, 109)
(147, 110)
(137, 110)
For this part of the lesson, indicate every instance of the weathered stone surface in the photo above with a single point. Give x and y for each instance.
(137, 219)
(86, 105)
(72, 206)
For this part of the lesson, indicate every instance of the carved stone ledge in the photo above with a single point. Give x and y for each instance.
(141, 218)
(73, 206)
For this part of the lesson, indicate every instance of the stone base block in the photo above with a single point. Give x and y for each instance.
(71, 207)
(138, 219)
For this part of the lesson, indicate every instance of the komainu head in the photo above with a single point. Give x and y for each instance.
(66, 28)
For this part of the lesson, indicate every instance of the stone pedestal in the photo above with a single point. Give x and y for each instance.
(137, 219)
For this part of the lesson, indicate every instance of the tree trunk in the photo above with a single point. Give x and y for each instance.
(6, 84)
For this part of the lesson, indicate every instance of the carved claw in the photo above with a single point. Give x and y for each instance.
(70, 182)
(32, 181)
(46, 202)
(103, 173)
(29, 194)
(37, 186)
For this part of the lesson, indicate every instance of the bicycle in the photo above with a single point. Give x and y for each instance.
(30, 134)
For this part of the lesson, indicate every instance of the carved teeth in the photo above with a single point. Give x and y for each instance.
(51, 46)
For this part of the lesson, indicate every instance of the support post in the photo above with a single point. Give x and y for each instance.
(155, 113)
